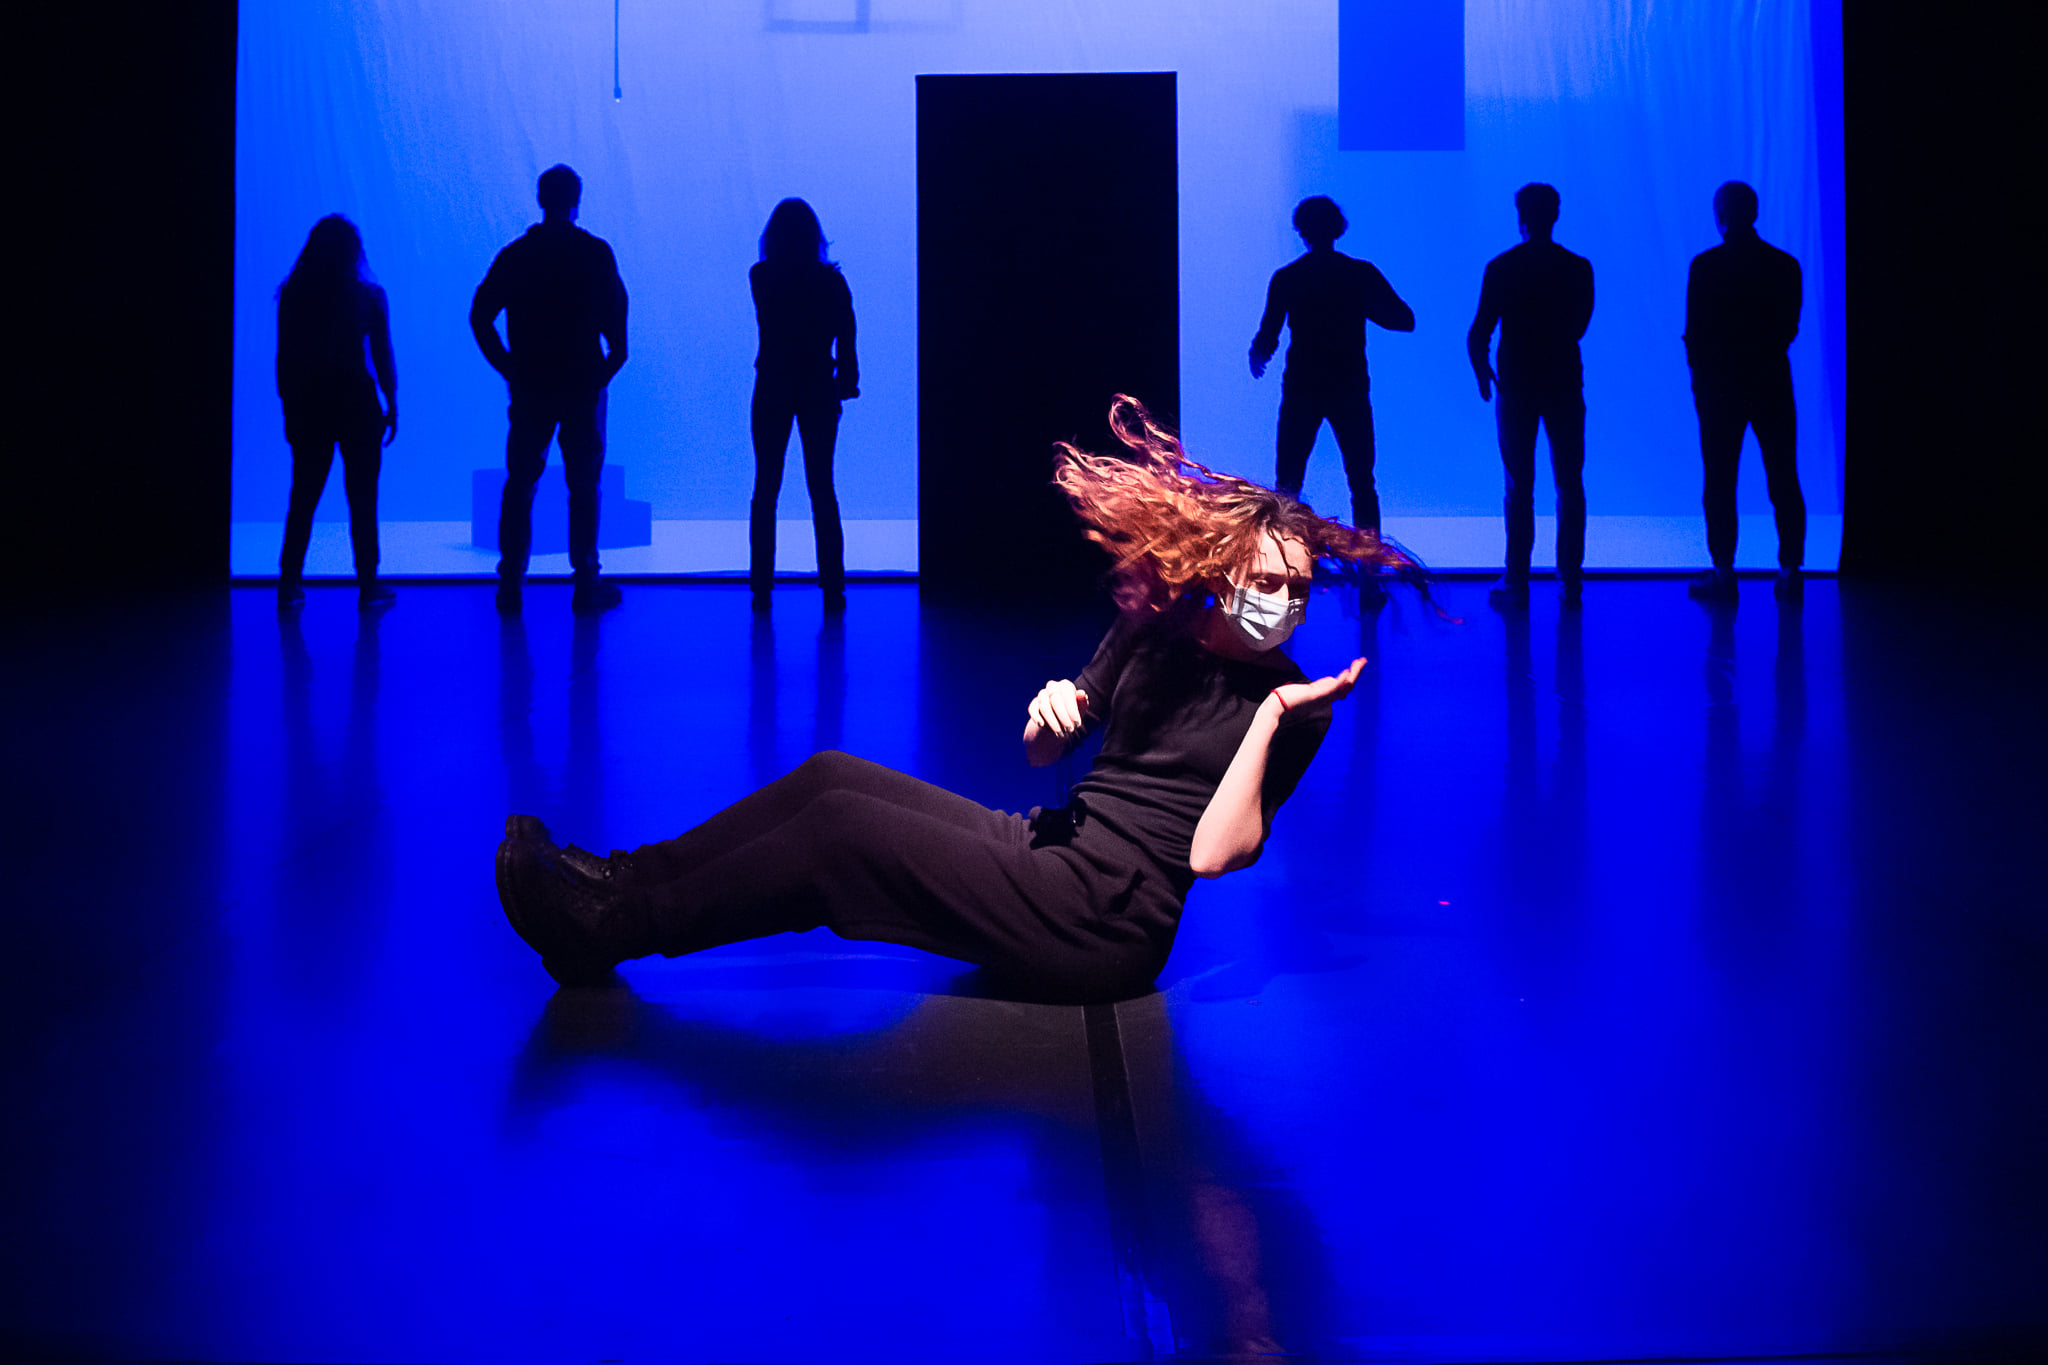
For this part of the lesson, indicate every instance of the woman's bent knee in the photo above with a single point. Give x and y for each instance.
(830, 768)
(834, 770)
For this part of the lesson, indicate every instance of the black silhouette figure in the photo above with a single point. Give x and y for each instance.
(329, 315)
(560, 291)
(1541, 297)
(805, 369)
(1742, 304)
(1326, 298)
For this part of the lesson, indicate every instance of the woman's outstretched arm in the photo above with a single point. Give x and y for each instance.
(1234, 826)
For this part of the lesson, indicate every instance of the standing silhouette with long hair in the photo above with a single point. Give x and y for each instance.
(333, 325)
(1742, 302)
(565, 319)
(1541, 297)
(805, 369)
(1325, 298)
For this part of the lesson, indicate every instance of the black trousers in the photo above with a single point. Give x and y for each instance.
(1348, 409)
(817, 423)
(1764, 406)
(535, 419)
(1562, 413)
(871, 853)
(362, 458)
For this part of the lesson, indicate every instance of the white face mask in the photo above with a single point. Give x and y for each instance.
(1265, 618)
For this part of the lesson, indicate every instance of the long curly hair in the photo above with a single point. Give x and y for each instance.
(1170, 524)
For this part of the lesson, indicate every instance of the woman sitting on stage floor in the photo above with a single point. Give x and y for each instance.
(1209, 727)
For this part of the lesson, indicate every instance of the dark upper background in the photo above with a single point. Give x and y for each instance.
(118, 468)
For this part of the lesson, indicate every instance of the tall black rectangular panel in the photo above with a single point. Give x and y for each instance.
(1048, 239)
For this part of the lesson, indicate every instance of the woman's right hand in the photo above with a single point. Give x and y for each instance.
(1059, 709)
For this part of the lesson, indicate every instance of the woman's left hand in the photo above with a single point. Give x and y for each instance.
(1321, 692)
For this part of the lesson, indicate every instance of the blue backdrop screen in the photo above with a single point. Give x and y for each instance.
(428, 122)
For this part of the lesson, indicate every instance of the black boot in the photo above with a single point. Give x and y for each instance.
(594, 595)
(1715, 585)
(565, 903)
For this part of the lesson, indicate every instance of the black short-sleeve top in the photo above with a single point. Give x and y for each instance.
(1174, 715)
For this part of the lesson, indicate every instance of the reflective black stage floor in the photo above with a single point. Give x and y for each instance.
(1638, 982)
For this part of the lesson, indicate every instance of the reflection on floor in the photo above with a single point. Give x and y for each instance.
(434, 548)
(1642, 981)
(456, 548)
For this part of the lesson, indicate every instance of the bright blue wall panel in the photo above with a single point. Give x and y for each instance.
(1401, 75)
